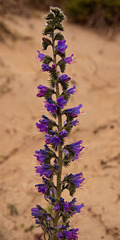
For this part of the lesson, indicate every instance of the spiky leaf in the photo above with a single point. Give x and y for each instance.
(47, 59)
(59, 36)
(59, 27)
(48, 30)
(62, 65)
(45, 43)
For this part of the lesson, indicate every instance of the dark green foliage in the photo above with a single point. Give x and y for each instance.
(59, 36)
(59, 27)
(47, 59)
(94, 12)
(62, 55)
(48, 30)
(45, 43)
(62, 65)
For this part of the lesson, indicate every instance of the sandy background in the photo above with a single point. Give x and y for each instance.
(97, 77)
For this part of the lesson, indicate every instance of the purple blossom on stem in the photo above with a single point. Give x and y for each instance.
(42, 127)
(41, 56)
(56, 140)
(76, 148)
(45, 169)
(51, 107)
(65, 78)
(77, 179)
(64, 133)
(42, 90)
(71, 234)
(46, 67)
(74, 123)
(77, 208)
(61, 102)
(54, 66)
(74, 111)
(69, 60)
(71, 90)
(36, 212)
(56, 207)
(43, 124)
(61, 46)
(41, 188)
(41, 155)
(48, 139)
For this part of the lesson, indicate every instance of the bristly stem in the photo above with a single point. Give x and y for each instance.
(58, 192)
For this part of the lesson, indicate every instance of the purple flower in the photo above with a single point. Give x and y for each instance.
(69, 60)
(77, 179)
(77, 208)
(42, 127)
(71, 90)
(44, 170)
(63, 133)
(56, 207)
(56, 140)
(45, 67)
(74, 111)
(74, 123)
(40, 56)
(48, 139)
(60, 235)
(42, 90)
(61, 46)
(51, 107)
(54, 66)
(44, 154)
(61, 102)
(41, 188)
(76, 146)
(71, 234)
(65, 78)
(43, 124)
(36, 212)
(41, 155)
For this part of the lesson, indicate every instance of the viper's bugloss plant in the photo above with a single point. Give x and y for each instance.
(56, 154)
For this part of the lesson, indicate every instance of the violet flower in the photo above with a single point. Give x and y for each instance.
(44, 169)
(42, 90)
(65, 78)
(74, 112)
(77, 179)
(61, 46)
(46, 67)
(41, 188)
(74, 123)
(41, 56)
(51, 107)
(42, 127)
(36, 212)
(71, 234)
(61, 102)
(69, 60)
(71, 90)
(64, 133)
(56, 140)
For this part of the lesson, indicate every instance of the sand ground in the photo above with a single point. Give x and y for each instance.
(96, 74)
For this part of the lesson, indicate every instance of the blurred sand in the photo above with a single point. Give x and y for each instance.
(96, 75)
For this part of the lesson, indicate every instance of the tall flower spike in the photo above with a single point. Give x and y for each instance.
(55, 223)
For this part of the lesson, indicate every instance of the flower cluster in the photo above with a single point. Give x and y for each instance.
(56, 154)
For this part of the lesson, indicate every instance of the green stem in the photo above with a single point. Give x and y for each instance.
(58, 193)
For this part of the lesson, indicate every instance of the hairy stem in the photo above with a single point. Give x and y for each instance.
(58, 194)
